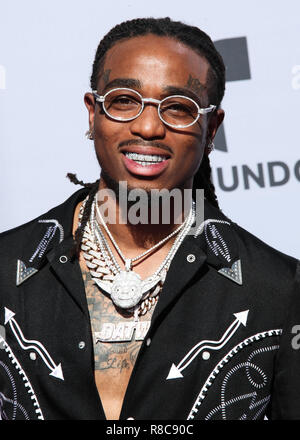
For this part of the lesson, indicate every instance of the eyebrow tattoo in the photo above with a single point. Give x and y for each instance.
(123, 82)
(172, 90)
(193, 88)
(195, 85)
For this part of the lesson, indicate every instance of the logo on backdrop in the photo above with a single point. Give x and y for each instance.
(276, 173)
(234, 52)
(270, 174)
(2, 77)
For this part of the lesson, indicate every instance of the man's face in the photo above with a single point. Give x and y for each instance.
(156, 67)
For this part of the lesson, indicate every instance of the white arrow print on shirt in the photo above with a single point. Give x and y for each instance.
(175, 370)
(56, 370)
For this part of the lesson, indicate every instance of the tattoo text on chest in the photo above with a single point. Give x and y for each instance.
(107, 325)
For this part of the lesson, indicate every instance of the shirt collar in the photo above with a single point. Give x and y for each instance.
(46, 233)
(215, 237)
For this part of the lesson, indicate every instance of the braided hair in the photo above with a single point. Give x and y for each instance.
(93, 187)
(192, 37)
(165, 27)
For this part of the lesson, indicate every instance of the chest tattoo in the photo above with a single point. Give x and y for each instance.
(108, 324)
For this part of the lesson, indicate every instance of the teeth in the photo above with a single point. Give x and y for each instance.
(142, 159)
(144, 164)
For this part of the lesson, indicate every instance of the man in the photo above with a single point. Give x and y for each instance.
(146, 320)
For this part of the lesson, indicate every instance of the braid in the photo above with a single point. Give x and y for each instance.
(192, 37)
(87, 210)
(73, 179)
(202, 179)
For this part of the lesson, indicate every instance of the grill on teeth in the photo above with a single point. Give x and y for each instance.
(143, 159)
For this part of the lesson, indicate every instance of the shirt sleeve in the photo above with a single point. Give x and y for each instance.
(285, 395)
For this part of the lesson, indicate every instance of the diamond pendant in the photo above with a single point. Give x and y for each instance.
(127, 288)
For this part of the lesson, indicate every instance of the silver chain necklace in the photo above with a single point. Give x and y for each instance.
(128, 261)
(104, 268)
(128, 289)
(125, 287)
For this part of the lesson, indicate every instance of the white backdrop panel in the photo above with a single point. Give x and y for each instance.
(46, 55)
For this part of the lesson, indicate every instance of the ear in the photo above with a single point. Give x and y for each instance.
(89, 101)
(214, 123)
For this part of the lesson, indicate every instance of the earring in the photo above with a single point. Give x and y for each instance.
(89, 134)
(210, 147)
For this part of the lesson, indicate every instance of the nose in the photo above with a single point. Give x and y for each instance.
(148, 125)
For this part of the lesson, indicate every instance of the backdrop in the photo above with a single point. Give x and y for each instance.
(46, 53)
